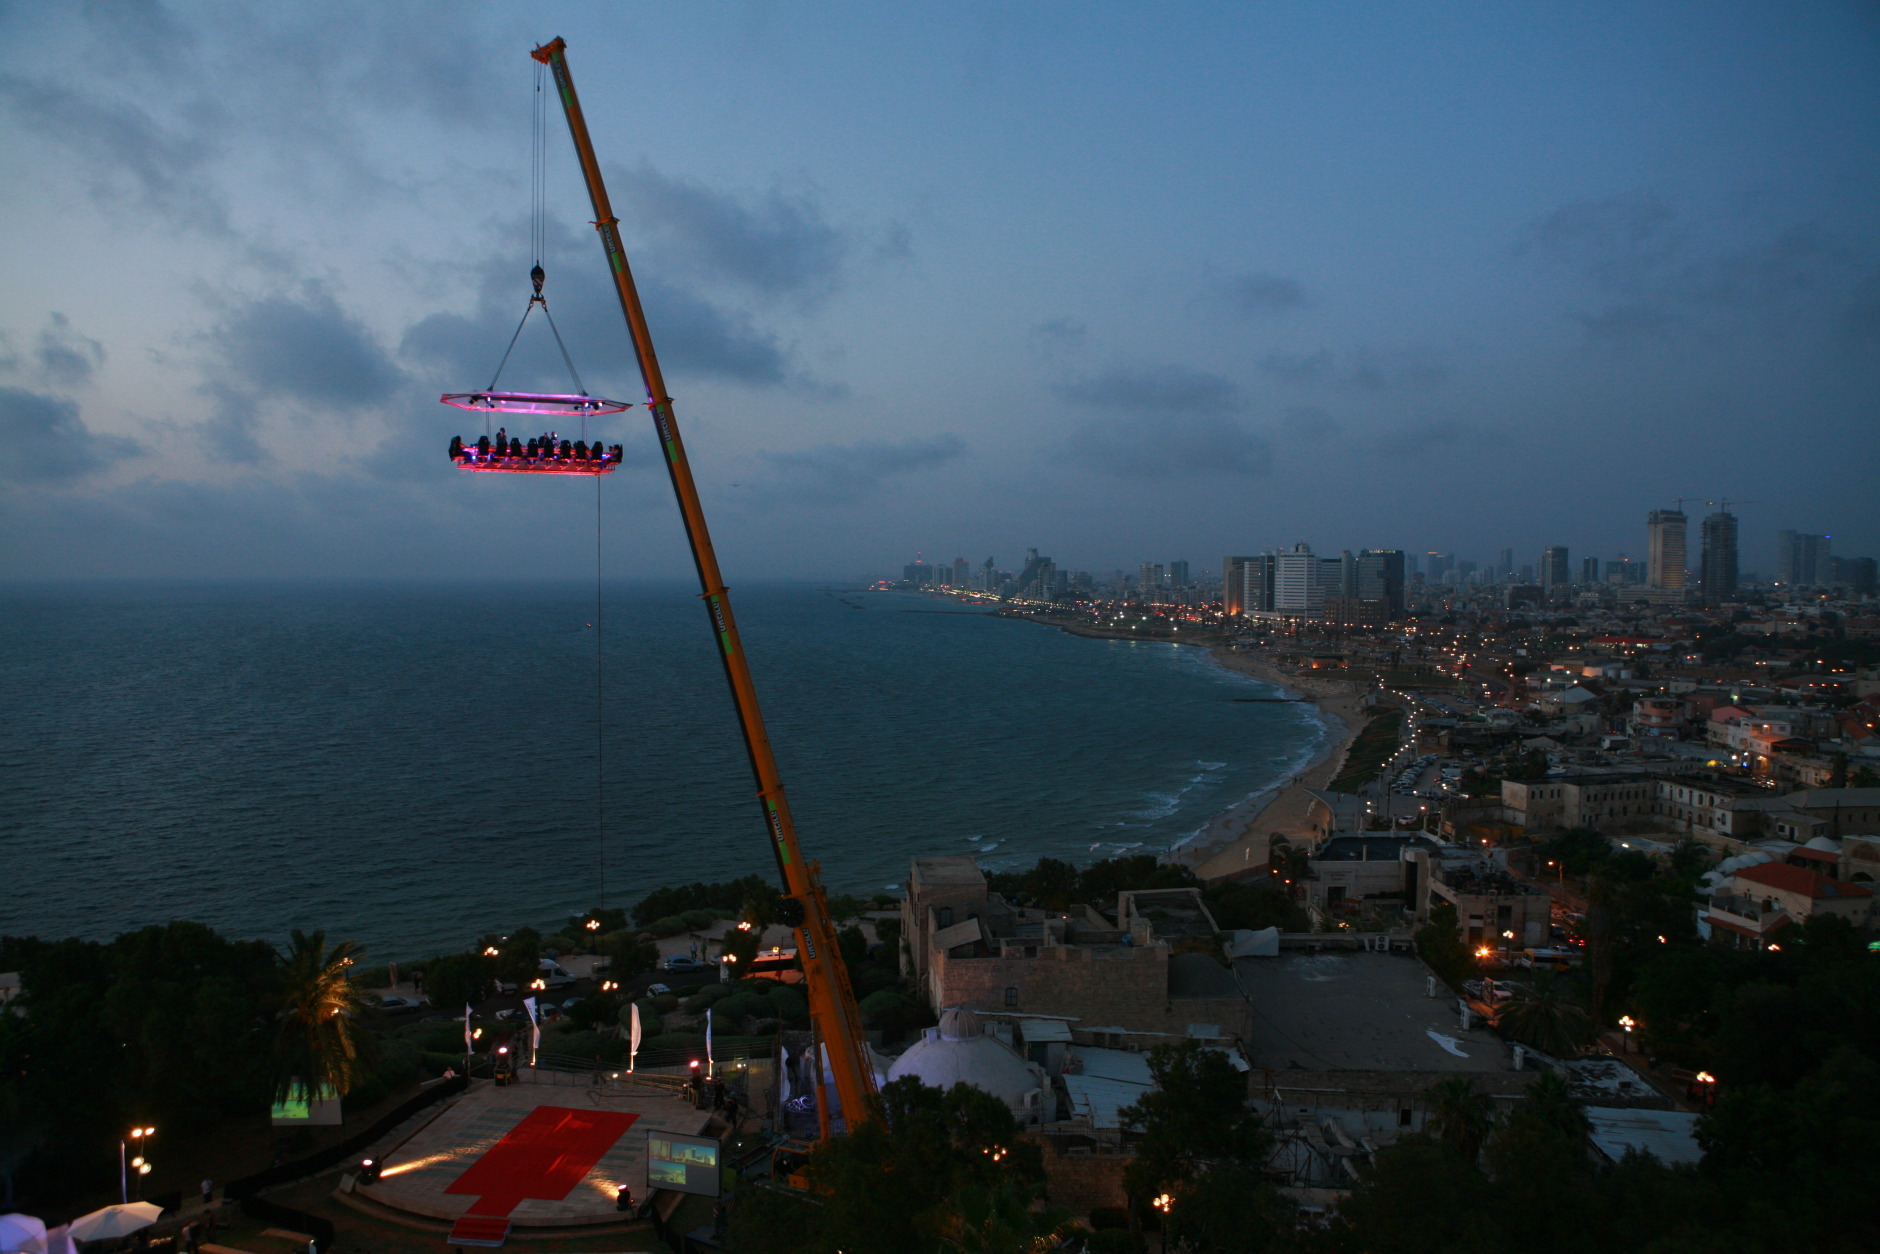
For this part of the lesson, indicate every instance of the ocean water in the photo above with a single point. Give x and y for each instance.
(413, 766)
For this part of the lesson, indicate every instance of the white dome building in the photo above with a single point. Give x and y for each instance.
(960, 1052)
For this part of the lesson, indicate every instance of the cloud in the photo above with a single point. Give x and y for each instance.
(43, 440)
(1177, 421)
(307, 349)
(1620, 242)
(125, 153)
(66, 358)
(1625, 324)
(774, 244)
(1257, 295)
(1171, 445)
(1427, 437)
(698, 337)
(1058, 336)
(1161, 389)
(840, 474)
(1309, 422)
(1360, 369)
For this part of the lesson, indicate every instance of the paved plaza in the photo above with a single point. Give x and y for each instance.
(1358, 1012)
(419, 1173)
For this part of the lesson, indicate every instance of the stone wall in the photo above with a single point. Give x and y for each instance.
(1082, 1180)
(1125, 986)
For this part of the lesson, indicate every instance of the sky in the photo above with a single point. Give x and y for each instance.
(1121, 282)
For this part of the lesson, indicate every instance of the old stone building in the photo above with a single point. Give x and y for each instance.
(1152, 970)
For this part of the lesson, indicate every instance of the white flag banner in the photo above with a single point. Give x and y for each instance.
(633, 1037)
(469, 1040)
(529, 1004)
(708, 1041)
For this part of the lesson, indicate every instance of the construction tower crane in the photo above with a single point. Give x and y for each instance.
(805, 906)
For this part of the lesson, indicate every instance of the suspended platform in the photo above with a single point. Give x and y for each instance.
(539, 404)
(545, 455)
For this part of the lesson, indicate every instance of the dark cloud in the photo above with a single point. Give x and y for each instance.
(1427, 438)
(124, 153)
(228, 433)
(307, 349)
(1625, 324)
(840, 474)
(1620, 242)
(1361, 369)
(1255, 295)
(43, 440)
(1159, 389)
(697, 337)
(67, 358)
(1058, 336)
(1171, 445)
(1309, 422)
(774, 244)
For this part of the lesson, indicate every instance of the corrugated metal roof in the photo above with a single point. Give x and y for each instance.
(1670, 1136)
(1045, 1031)
(1099, 1098)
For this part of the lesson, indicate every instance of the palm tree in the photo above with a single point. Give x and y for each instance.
(1461, 1116)
(1289, 862)
(1550, 1100)
(1548, 1016)
(316, 1045)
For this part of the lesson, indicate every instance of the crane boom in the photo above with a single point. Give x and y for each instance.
(831, 1000)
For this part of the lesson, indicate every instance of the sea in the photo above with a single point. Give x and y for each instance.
(412, 766)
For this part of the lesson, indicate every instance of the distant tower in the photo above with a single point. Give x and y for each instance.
(1233, 584)
(1178, 576)
(1717, 570)
(1555, 577)
(1665, 562)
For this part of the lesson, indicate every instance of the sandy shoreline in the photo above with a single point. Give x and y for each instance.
(1236, 840)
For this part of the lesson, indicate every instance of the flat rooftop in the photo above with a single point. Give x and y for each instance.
(1358, 1012)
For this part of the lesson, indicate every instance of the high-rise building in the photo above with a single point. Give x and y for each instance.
(1436, 565)
(1256, 583)
(1178, 575)
(1589, 570)
(1856, 574)
(1148, 578)
(917, 573)
(1232, 581)
(1555, 576)
(1381, 578)
(1716, 570)
(962, 572)
(989, 575)
(1665, 534)
(1803, 560)
(1505, 567)
(1297, 589)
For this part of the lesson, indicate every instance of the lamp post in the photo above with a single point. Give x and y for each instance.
(127, 1162)
(1628, 1023)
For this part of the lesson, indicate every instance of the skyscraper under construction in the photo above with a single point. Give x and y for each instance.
(1716, 570)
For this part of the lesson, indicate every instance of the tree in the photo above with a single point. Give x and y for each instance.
(1440, 944)
(628, 954)
(1460, 1116)
(317, 1044)
(908, 1181)
(1548, 1016)
(1193, 1122)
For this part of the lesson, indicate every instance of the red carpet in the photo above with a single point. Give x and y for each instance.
(543, 1157)
(475, 1230)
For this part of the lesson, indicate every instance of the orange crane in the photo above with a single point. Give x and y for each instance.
(806, 908)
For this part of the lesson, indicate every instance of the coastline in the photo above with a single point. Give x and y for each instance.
(1236, 841)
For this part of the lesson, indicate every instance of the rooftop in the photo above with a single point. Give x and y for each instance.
(1795, 879)
(954, 869)
(1670, 1136)
(1357, 1012)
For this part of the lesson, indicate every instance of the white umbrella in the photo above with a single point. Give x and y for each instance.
(22, 1232)
(59, 1240)
(114, 1221)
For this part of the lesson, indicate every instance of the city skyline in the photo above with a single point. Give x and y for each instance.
(1094, 278)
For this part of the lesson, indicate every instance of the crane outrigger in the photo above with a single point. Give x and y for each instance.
(806, 906)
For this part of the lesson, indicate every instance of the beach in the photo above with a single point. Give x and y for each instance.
(1236, 841)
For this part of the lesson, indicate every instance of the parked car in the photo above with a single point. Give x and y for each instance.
(657, 990)
(399, 1003)
(680, 962)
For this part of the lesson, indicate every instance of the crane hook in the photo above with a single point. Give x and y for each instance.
(536, 276)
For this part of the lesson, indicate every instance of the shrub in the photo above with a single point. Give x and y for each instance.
(709, 995)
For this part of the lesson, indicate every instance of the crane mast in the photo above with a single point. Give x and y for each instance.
(831, 1000)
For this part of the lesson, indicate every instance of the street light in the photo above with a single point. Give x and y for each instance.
(1628, 1023)
(126, 1161)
